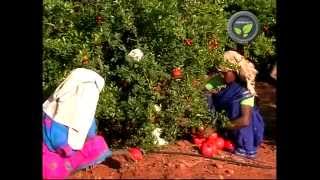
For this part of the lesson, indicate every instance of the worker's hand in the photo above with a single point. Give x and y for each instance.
(229, 125)
(213, 91)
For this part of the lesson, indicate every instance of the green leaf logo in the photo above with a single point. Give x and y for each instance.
(237, 30)
(247, 28)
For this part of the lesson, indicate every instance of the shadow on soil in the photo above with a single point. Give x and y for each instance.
(112, 163)
(267, 105)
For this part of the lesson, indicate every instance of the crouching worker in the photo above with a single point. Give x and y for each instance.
(246, 125)
(70, 142)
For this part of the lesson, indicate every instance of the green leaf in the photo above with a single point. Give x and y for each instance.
(237, 30)
(247, 28)
(245, 34)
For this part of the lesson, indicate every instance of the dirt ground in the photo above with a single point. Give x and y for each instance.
(172, 166)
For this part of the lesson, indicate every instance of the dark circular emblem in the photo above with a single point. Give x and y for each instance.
(243, 27)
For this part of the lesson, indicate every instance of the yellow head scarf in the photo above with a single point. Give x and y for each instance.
(233, 61)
